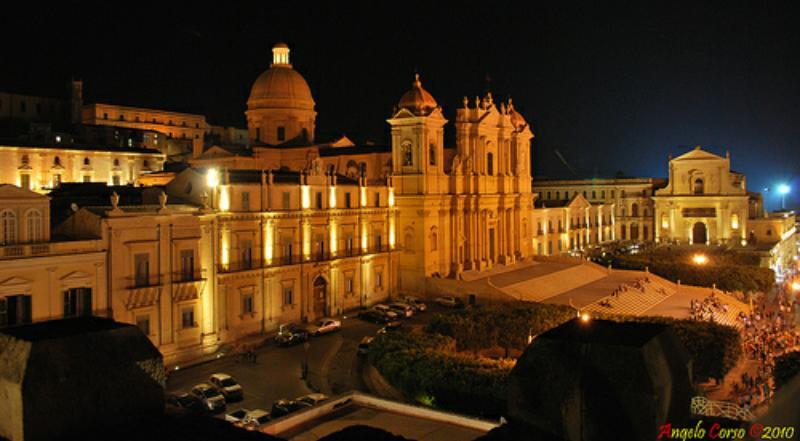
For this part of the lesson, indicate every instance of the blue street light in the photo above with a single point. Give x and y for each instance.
(784, 189)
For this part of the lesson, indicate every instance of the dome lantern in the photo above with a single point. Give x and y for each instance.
(280, 55)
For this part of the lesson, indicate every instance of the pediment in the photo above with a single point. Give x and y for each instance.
(8, 191)
(14, 281)
(75, 275)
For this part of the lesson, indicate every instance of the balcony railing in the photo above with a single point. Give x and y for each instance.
(234, 267)
(197, 275)
(16, 251)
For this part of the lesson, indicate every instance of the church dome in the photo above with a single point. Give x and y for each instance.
(280, 86)
(418, 100)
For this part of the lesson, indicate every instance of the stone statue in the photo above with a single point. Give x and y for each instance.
(114, 200)
(204, 199)
(162, 200)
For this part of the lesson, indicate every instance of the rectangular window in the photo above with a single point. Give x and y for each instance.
(15, 310)
(105, 116)
(142, 269)
(378, 279)
(287, 295)
(25, 181)
(246, 201)
(348, 245)
(187, 265)
(286, 200)
(319, 200)
(87, 178)
(378, 241)
(247, 304)
(77, 301)
(348, 285)
(347, 200)
(247, 253)
(377, 199)
(143, 322)
(187, 317)
(281, 133)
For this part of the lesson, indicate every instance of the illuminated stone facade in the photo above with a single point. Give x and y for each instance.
(42, 167)
(631, 197)
(41, 278)
(571, 226)
(703, 203)
(180, 133)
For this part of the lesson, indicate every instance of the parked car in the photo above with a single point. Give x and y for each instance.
(324, 326)
(291, 334)
(227, 386)
(386, 310)
(415, 303)
(210, 397)
(255, 419)
(363, 347)
(186, 402)
(312, 399)
(449, 302)
(236, 416)
(391, 327)
(404, 310)
(285, 407)
(373, 316)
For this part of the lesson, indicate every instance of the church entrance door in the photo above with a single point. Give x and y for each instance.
(699, 234)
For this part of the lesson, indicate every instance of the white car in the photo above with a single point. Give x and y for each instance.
(415, 303)
(236, 415)
(312, 399)
(449, 301)
(386, 310)
(254, 419)
(405, 310)
(227, 386)
(324, 326)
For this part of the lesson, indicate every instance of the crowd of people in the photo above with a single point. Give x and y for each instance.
(767, 334)
(706, 308)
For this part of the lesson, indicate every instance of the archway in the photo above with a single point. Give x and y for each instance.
(320, 296)
(699, 234)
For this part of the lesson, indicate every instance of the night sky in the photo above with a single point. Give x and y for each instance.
(610, 89)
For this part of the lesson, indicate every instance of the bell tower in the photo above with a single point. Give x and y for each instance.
(418, 143)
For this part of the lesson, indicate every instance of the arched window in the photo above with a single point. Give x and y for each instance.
(490, 164)
(698, 186)
(635, 210)
(57, 161)
(116, 162)
(407, 155)
(25, 160)
(33, 220)
(86, 161)
(9, 223)
(432, 154)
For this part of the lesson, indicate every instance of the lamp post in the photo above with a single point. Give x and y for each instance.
(784, 189)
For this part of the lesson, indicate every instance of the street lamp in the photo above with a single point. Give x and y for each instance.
(700, 259)
(784, 189)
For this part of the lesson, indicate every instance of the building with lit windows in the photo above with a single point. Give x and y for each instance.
(44, 277)
(631, 197)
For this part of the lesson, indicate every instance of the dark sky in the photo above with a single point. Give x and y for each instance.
(609, 88)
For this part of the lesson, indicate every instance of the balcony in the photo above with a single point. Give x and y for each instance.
(182, 277)
(18, 251)
(235, 267)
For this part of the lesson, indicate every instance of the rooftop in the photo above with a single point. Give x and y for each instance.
(58, 329)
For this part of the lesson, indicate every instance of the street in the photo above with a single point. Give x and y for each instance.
(334, 366)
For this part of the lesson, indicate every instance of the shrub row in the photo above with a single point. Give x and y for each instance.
(743, 278)
(424, 367)
(505, 325)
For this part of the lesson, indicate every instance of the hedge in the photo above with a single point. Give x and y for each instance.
(505, 325)
(728, 272)
(787, 366)
(424, 367)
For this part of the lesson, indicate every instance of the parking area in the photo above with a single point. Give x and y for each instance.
(277, 372)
